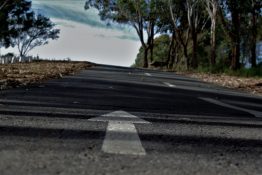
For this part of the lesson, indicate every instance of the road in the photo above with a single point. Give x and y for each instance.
(115, 120)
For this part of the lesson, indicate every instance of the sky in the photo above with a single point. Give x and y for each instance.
(84, 36)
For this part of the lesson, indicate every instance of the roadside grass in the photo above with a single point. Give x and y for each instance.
(242, 72)
(241, 80)
(22, 74)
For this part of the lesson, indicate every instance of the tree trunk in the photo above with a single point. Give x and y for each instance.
(22, 57)
(186, 56)
(151, 53)
(194, 52)
(145, 57)
(213, 43)
(235, 36)
(254, 39)
(212, 9)
(171, 47)
(233, 32)
(253, 54)
(235, 64)
(235, 56)
(151, 40)
(173, 56)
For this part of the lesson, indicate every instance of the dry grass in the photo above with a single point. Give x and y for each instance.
(22, 74)
(250, 85)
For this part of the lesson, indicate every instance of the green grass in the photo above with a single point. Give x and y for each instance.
(242, 72)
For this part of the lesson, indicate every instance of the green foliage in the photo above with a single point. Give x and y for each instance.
(139, 58)
(244, 72)
(161, 47)
(161, 44)
(32, 31)
(8, 10)
(22, 28)
(222, 69)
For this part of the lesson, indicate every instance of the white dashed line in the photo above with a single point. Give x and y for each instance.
(169, 84)
(148, 74)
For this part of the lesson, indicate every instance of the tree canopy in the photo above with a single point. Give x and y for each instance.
(32, 31)
(8, 9)
(21, 27)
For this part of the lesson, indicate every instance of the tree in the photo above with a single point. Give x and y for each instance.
(161, 48)
(32, 31)
(8, 9)
(229, 13)
(212, 9)
(165, 26)
(22, 28)
(196, 22)
(177, 12)
(140, 14)
(255, 11)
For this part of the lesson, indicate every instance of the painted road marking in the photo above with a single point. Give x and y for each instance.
(121, 134)
(245, 103)
(169, 84)
(253, 112)
(148, 74)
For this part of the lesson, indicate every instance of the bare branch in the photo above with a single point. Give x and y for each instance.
(3, 4)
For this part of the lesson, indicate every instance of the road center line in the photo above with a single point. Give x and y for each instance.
(253, 112)
(169, 84)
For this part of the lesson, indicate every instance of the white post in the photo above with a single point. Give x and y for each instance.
(13, 60)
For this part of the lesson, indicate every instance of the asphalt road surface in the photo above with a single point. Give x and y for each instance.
(114, 120)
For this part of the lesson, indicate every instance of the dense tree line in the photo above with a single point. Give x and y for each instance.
(224, 27)
(21, 27)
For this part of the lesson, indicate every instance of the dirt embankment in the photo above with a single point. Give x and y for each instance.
(22, 74)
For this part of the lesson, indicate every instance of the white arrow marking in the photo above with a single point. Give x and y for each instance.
(253, 112)
(121, 134)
